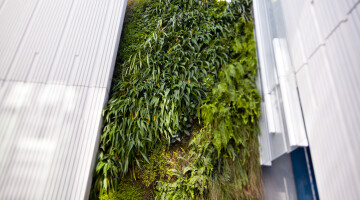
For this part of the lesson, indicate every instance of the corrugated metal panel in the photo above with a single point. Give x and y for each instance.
(290, 98)
(293, 34)
(329, 91)
(334, 158)
(274, 139)
(329, 15)
(323, 39)
(57, 59)
(267, 84)
(300, 25)
(264, 149)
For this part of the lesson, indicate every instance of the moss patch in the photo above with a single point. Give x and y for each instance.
(124, 191)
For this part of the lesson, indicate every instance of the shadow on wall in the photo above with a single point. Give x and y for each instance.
(278, 180)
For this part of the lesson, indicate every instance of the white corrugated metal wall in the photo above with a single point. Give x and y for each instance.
(56, 64)
(281, 121)
(324, 41)
(323, 38)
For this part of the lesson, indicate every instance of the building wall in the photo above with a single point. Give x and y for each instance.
(278, 180)
(56, 63)
(274, 140)
(324, 42)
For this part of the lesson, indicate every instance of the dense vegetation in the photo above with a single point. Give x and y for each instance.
(181, 122)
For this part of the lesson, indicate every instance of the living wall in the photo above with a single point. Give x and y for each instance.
(181, 122)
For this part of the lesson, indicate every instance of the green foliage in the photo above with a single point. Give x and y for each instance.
(223, 161)
(125, 191)
(190, 174)
(155, 169)
(239, 178)
(182, 62)
(169, 55)
(231, 112)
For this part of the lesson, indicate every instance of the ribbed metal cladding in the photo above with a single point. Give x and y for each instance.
(324, 40)
(56, 64)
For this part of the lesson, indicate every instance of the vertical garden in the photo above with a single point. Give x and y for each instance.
(182, 118)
